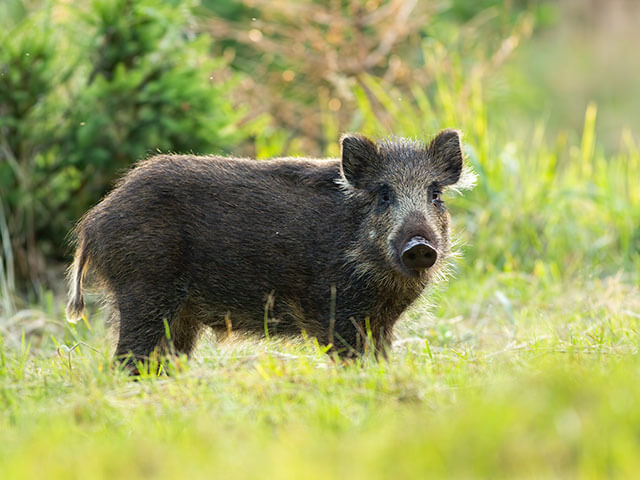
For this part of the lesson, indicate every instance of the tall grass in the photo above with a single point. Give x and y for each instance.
(7, 277)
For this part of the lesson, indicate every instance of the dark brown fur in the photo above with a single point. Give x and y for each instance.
(307, 244)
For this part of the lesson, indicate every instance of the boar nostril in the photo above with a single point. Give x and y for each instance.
(418, 254)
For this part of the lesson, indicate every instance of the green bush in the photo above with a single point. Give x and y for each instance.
(83, 94)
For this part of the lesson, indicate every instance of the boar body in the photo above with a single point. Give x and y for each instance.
(270, 247)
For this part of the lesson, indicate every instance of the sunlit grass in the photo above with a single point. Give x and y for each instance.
(522, 383)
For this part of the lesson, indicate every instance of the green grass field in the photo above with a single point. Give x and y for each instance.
(543, 385)
(524, 365)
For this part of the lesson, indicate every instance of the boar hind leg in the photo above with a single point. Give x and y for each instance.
(185, 331)
(144, 314)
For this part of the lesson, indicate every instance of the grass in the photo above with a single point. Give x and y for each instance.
(540, 385)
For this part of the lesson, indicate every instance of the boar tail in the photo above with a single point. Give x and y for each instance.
(75, 307)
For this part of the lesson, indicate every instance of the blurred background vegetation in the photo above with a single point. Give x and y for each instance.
(526, 366)
(545, 92)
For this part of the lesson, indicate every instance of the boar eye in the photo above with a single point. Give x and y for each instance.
(436, 197)
(385, 196)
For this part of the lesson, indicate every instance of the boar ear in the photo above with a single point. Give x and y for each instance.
(360, 159)
(445, 152)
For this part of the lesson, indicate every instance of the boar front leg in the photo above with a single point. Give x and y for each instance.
(352, 338)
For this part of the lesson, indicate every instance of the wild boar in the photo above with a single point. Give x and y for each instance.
(335, 248)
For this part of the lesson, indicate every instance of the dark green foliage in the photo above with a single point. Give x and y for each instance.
(79, 102)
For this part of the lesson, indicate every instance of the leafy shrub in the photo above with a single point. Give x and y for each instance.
(83, 94)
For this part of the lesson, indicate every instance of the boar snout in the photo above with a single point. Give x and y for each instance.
(415, 245)
(418, 254)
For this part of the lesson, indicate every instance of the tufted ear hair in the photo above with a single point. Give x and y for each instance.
(360, 160)
(445, 154)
